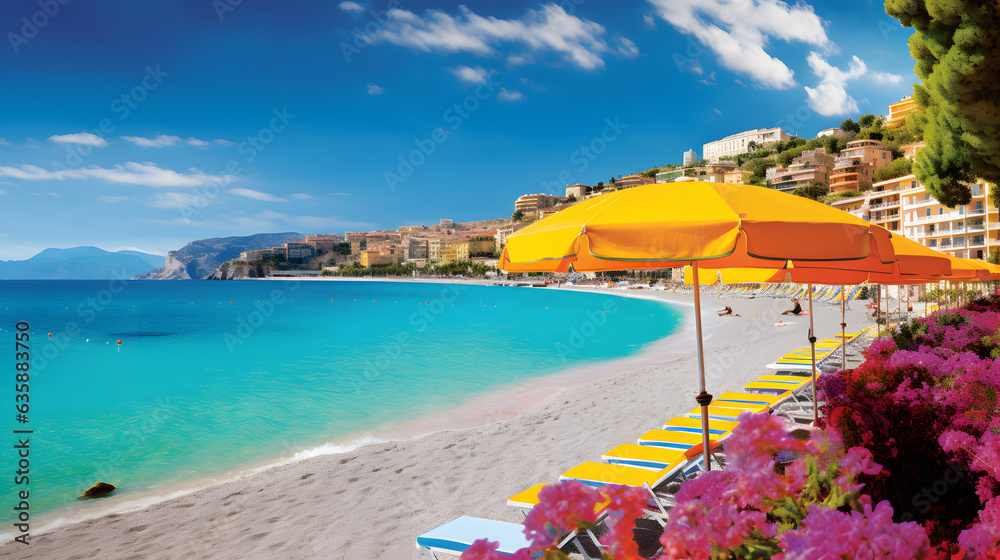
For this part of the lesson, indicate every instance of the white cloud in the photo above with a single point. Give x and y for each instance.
(830, 97)
(4, 142)
(885, 78)
(509, 95)
(626, 48)
(477, 75)
(224, 142)
(301, 196)
(3, 192)
(114, 198)
(85, 138)
(170, 200)
(164, 140)
(257, 195)
(717, 111)
(131, 173)
(737, 31)
(649, 21)
(375, 90)
(351, 7)
(579, 41)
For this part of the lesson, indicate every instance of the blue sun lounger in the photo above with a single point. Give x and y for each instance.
(458, 534)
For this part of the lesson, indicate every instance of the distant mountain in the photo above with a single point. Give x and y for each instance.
(199, 259)
(80, 263)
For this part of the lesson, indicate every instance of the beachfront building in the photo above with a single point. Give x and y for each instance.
(629, 181)
(902, 205)
(690, 157)
(910, 150)
(505, 231)
(962, 231)
(854, 168)
(899, 110)
(669, 176)
(835, 132)
(736, 144)
(871, 152)
(577, 191)
(850, 174)
(737, 177)
(530, 204)
(381, 256)
(415, 248)
(812, 167)
(482, 245)
(299, 251)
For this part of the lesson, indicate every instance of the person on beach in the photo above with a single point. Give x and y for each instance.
(795, 310)
(727, 311)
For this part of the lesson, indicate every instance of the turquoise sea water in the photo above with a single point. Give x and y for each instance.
(211, 376)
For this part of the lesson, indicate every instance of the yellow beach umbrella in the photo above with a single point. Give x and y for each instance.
(721, 225)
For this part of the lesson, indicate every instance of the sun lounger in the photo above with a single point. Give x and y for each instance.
(671, 439)
(787, 379)
(751, 398)
(693, 425)
(766, 387)
(726, 411)
(644, 456)
(597, 474)
(458, 534)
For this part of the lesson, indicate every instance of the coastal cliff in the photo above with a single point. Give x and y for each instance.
(201, 259)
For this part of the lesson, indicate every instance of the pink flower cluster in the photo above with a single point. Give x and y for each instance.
(828, 534)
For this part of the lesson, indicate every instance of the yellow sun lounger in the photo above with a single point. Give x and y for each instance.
(644, 456)
(746, 398)
(671, 439)
(727, 411)
(776, 389)
(787, 379)
(527, 499)
(600, 474)
(715, 427)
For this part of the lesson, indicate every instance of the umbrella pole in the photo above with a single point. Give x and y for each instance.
(812, 345)
(843, 331)
(703, 398)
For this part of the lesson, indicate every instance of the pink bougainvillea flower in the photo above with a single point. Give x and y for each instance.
(858, 460)
(483, 549)
(983, 538)
(831, 534)
(625, 504)
(562, 507)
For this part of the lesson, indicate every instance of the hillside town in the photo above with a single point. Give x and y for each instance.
(863, 168)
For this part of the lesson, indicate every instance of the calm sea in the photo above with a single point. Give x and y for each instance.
(212, 376)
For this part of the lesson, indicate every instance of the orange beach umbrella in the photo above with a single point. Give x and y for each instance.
(716, 224)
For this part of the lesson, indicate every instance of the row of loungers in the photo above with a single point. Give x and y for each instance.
(660, 456)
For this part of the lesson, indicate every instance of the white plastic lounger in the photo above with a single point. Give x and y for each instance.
(458, 534)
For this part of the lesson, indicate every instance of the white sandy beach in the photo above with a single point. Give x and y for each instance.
(373, 501)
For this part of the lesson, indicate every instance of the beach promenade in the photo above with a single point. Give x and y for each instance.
(373, 501)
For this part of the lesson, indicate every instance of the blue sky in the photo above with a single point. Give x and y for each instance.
(146, 125)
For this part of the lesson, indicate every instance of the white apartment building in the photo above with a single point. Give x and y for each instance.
(737, 143)
(903, 206)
